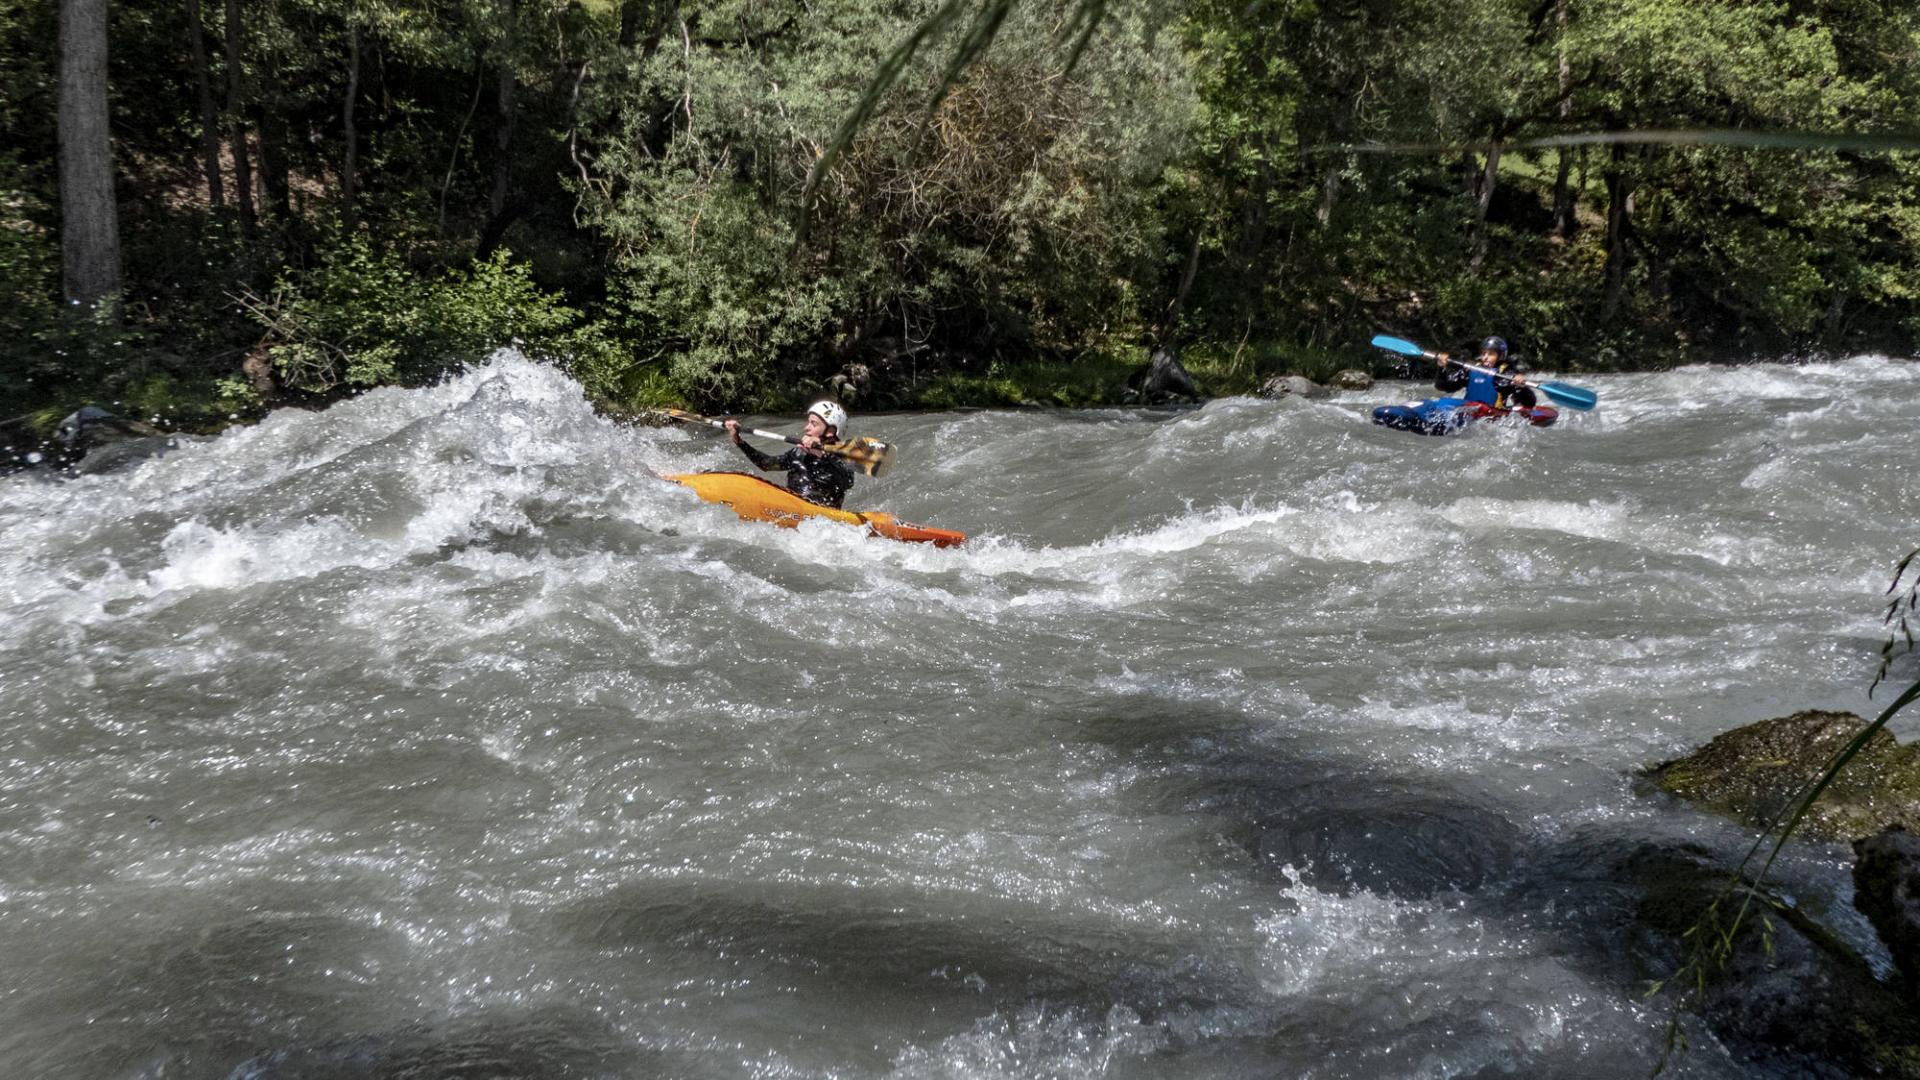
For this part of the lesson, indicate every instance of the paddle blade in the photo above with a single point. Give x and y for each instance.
(1573, 397)
(1397, 345)
(684, 416)
(873, 456)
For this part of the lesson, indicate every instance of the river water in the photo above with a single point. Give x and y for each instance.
(430, 736)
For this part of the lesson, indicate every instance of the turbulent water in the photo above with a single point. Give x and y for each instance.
(432, 736)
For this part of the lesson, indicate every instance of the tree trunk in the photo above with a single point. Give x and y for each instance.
(497, 217)
(274, 181)
(209, 118)
(1488, 177)
(1341, 125)
(89, 217)
(1192, 270)
(349, 167)
(1619, 211)
(268, 114)
(236, 109)
(1563, 215)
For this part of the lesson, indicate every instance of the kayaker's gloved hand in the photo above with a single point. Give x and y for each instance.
(733, 431)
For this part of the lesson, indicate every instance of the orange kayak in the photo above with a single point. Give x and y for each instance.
(755, 499)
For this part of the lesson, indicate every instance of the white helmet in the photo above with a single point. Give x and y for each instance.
(832, 413)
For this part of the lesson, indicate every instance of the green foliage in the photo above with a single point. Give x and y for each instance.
(360, 318)
(749, 196)
(1087, 381)
(1010, 215)
(719, 296)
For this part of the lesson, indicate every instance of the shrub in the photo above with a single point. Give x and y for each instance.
(361, 318)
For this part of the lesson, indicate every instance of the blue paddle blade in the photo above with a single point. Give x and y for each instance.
(1573, 397)
(1399, 345)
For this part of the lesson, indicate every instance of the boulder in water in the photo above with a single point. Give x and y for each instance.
(851, 384)
(1350, 379)
(91, 426)
(1749, 773)
(119, 455)
(1886, 889)
(1793, 998)
(1163, 380)
(1792, 995)
(1291, 386)
(93, 440)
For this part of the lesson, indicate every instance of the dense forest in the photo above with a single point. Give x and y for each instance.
(213, 205)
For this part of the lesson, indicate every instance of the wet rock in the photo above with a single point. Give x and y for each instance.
(1886, 884)
(1291, 386)
(851, 384)
(1793, 1000)
(93, 440)
(1350, 379)
(1163, 380)
(91, 426)
(119, 455)
(1792, 996)
(1749, 773)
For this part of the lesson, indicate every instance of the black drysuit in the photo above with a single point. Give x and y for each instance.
(817, 478)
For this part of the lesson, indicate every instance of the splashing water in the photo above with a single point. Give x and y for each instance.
(432, 732)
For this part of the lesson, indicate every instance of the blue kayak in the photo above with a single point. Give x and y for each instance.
(1445, 416)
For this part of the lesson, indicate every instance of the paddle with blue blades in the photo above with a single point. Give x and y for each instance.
(1573, 397)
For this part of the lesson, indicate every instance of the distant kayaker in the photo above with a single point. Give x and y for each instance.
(1506, 388)
(812, 474)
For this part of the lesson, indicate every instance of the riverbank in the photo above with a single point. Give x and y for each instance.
(203, 405)
(195, 404)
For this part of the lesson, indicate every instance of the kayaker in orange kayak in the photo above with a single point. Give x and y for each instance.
(812, 474)
(1503, 385)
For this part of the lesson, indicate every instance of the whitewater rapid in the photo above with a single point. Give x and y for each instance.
(432, 733)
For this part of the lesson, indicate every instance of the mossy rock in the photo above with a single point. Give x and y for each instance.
(1751, 772)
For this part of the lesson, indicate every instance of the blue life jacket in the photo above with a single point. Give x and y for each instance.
(1480, 388)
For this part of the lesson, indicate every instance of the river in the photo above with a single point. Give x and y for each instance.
(430, 736)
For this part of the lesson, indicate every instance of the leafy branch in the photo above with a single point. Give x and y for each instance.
(1899, 618)
(985, 25)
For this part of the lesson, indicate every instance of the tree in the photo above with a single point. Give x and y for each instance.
(209, 125)
(89, 217)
